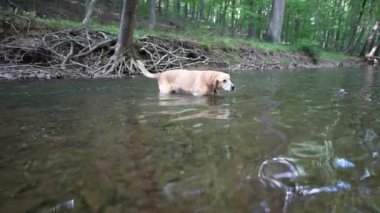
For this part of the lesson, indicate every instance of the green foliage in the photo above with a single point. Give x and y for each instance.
(268, 46)
(58, 23)
(209, 40)
(64, 23)
(336, 56)
(310, 48)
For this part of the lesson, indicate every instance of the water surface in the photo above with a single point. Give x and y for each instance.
(285, 141)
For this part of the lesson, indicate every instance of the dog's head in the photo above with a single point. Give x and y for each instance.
(223, 82)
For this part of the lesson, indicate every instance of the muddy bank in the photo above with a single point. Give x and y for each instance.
(82, 53)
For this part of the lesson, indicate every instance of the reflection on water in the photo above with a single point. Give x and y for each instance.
(215, 114)
(191, 101)
(188, 100)
(285, 142)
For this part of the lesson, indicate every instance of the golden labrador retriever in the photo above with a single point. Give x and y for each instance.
(197, 83)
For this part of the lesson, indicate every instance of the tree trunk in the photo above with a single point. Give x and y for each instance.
(297, 27)
(223, 17)
(276, 20)
(186, 10)
(127, 24)
(123, 47)
(339, 29)
(89, 10)
(259, 20)
(159, 7)
(201, 9)
(251, 24)
(327, 36)
(193, 10)
(218, 15)
(178, 7)
(233, 7)
(209, 14)
(152, 14)
(287, 23)
(167, 8)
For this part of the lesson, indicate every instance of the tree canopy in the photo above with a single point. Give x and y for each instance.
(339, 25)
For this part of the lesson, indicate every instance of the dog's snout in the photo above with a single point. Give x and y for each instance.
(233, 87)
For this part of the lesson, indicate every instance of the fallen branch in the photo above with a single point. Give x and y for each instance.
(63, 65)
(102, 44)
(165, 54)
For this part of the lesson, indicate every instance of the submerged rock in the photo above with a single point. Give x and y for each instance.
(63, 206)
(340, 185)
(93, 198)
(342, 163)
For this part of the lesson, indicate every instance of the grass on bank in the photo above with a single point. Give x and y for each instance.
(204, 38)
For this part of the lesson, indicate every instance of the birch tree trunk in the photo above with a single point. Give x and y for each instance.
(89, 10)
(276, 21)
(371, 43)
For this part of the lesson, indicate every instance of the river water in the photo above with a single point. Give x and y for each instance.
(283, 142)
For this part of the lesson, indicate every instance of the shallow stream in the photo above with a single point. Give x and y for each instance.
(284, 141)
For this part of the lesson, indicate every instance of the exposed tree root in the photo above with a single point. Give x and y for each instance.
(68, 49)
(119, 66)
(163, 54)
(92, 53)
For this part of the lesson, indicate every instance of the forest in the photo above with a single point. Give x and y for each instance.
(339, 26)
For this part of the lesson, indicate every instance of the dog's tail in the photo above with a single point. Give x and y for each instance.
(144, 71)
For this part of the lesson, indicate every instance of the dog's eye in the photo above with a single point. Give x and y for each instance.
(224, 81)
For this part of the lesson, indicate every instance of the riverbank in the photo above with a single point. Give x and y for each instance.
(43, 50)
(31, 61)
